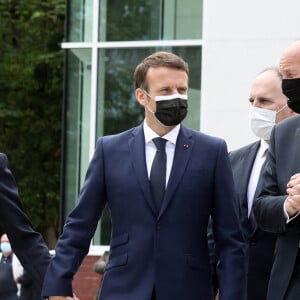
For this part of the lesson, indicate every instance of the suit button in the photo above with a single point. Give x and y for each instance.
(158, 224)
(253, 242)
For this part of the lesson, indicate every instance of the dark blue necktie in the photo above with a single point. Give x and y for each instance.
(158, 172)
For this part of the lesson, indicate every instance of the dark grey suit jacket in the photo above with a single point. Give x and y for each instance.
(283, 161)
(261, 244)
(26, 243)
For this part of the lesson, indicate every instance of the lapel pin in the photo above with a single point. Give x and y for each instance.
(185, 146)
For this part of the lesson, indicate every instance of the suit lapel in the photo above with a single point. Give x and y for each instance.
(137, 152)
(183, 150)
(260, 181)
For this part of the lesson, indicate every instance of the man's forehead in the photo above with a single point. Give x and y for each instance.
(290, 65)
(291, 55)
(4, 238)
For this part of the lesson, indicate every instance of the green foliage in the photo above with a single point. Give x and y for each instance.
(31, 72)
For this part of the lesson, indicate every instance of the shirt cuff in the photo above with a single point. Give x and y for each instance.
(288, 219)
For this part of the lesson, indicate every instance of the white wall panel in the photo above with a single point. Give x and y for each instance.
(240, 38)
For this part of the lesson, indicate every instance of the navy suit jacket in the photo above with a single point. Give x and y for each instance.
(26, 243)
(283, 161)
(261, 243)
(166, 251)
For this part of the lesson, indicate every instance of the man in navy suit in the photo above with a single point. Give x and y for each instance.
(26, 243)
(278, 205)
(268, 107)
(157, 251)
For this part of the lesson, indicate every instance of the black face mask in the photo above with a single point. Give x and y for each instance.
(171, 112)
(291, 89)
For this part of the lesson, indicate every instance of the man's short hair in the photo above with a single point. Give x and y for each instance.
(155, 60)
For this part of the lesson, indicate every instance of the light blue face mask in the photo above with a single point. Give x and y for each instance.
(5, 247)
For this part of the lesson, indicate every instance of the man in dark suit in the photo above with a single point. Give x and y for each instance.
(268, 106)
(266, 99)
(158, 250)
(277, 207)
(26, 243)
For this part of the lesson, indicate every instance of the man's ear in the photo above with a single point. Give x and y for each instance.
(141, 96)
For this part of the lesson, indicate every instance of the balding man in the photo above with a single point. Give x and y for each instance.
(268, 106)
(278, 206)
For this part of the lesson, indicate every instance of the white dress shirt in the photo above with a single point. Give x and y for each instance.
(256, 169)
(150, 148)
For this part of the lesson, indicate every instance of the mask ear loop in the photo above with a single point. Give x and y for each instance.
(281, 109)
(149, 96)
(147, 93)
(151, 111)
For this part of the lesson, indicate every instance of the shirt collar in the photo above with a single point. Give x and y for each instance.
(263, 147)
(171, 136)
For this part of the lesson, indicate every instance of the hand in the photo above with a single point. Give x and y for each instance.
(217, 296)
(292, 204)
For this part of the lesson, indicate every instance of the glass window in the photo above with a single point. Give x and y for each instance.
(80, 21)
(76, 124)
(135, 20)
(188, 20)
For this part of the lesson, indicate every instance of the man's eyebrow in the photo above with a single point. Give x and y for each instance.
(266, 99)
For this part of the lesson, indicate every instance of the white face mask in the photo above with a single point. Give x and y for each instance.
(262, 121)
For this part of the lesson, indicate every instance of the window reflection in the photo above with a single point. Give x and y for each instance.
(137, 20)
(80, 21)
(76, 124)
